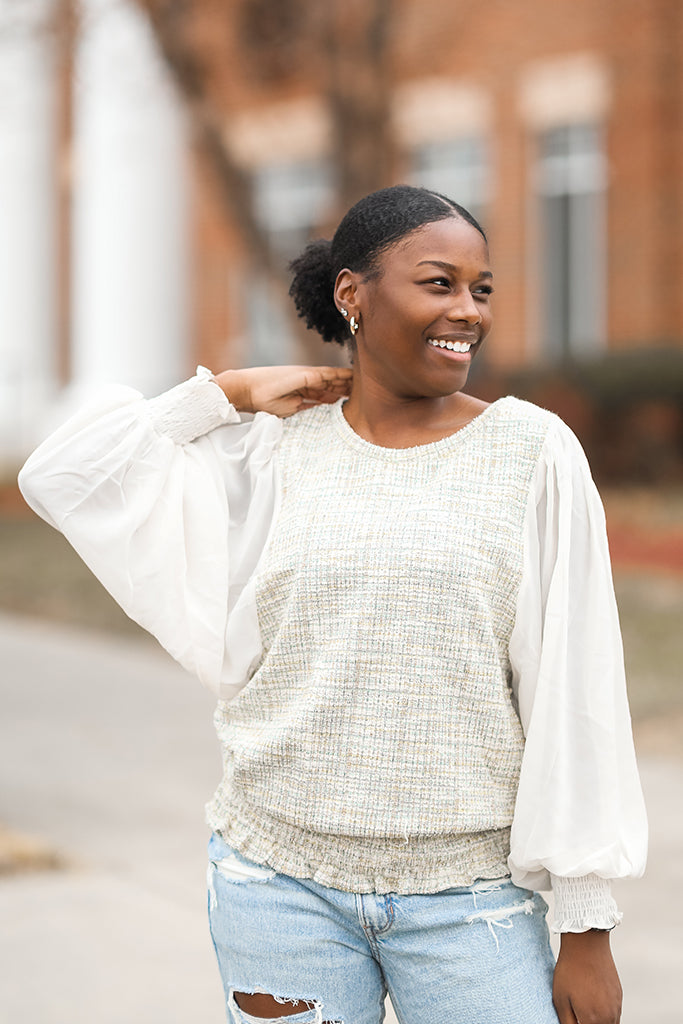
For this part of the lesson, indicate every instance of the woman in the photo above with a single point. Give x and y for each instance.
(404, 603)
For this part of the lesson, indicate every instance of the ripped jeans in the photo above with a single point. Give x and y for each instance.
(470, 955)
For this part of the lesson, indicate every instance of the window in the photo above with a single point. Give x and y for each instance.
(291, 199)
(571, 190)
(458, 168)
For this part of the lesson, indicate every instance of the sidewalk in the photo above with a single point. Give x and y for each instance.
(107, 754)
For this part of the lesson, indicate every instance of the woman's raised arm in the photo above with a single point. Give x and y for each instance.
(169, 501)
(284, 390)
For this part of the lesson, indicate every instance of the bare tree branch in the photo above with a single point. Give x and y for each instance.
(352, 41)
(357, 42)
(354, 37)
(169, 20)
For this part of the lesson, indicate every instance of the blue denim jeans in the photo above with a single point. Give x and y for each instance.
(473, 955)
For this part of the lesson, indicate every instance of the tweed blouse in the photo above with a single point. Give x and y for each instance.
(484, 571)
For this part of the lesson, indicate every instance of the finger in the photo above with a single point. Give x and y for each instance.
(340, 388)
(323, 399)
(333, 372)
(565, 1013)
(327, 376)
(321, 392)
(308, 403)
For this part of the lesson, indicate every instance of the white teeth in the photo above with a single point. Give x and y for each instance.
(452, 346)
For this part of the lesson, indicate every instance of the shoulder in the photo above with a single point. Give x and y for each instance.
(520, 429)
(522, 419)
(511, 409)
(560, 463)
(309, 425)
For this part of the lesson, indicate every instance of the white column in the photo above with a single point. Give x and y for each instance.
(28, 211)
(130, 238)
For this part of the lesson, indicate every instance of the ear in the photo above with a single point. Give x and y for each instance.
(345, 290)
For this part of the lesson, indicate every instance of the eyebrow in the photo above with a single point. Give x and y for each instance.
(450, 267)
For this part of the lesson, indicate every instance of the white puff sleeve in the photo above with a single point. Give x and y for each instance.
(579, 818)
(169, 502)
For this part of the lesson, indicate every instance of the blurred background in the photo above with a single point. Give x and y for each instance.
(161, 161)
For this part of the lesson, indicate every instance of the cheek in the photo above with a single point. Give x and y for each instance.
(486, 319)
(392, 327)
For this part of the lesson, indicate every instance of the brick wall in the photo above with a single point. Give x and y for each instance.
(637, 44)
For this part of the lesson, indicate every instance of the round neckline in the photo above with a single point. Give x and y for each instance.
(348, 434)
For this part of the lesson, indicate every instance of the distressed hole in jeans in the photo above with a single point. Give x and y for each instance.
(234, 870)
(500, 917)
(264, 1008)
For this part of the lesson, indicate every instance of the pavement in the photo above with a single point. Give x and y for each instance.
(107, 756)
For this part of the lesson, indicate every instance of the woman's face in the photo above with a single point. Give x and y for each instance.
(433, 291)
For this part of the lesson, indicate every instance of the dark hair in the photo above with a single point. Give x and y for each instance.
(366, 231)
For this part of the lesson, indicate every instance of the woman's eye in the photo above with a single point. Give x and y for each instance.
(484, 289)
(440, 280)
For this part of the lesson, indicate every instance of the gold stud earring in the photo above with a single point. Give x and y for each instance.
(344, 312)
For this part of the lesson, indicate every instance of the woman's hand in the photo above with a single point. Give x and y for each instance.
(586, 987)
(284, 390)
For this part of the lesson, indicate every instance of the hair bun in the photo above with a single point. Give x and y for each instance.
(312, 290)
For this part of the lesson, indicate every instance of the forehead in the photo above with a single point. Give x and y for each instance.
(452, 240)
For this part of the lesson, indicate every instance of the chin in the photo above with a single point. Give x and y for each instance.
(444, 388)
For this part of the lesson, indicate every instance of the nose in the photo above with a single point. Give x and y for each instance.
(464, 308)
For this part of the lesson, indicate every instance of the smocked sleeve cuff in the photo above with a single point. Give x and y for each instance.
(192, 409)
(583, 903)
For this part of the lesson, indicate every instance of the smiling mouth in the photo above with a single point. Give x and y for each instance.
(451, 346)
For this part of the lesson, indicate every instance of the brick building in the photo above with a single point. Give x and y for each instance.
(559, 125)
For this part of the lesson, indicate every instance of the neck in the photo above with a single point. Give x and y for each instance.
(388, 419)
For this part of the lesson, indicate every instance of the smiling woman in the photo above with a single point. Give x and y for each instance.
(421, 322)
(402, 598)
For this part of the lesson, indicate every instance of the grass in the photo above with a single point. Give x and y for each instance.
(43, 577)
(651, 613)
